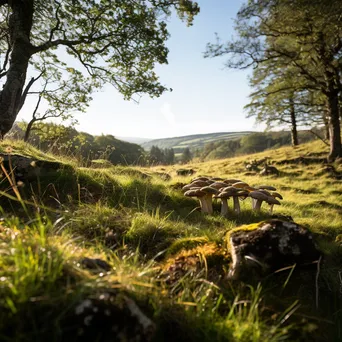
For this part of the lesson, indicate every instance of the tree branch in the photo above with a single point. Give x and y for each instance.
(27, 88)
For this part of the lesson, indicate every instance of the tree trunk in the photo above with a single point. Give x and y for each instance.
(294, 132)
(20, 24)
(326, 126)
(28, 130)
(334, 126)
(340, 103)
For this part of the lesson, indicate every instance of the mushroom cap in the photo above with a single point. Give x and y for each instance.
(266, 187)
(187, 187)
(276, 195)
(232, 192)
(200, 183)
(216, 179)
(194, 193)
(267, 193)
(258, 195)
(231, 181)
(209, 190)
(225, 194)
(195, 188)
(231, 189)
(242, 193)
(249, 188)
(272, 200)
(240, 185)
(200, 179)
(218, 185)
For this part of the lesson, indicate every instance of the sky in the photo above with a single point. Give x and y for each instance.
(206, 97)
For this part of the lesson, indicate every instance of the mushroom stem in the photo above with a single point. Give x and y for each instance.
(253, 203)
(209, 202)
(236, 204)
(257, 206)
(224, 206)
(203, 205)
(271, 209)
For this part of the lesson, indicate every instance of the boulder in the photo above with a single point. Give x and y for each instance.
(269, 246)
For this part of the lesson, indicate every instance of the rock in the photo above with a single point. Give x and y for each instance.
(107, 317)
(269, 246)
(95, 264)
(28, 169)
(269, 170)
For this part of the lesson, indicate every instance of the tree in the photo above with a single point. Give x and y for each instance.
(113, 41)
(186, 156)
(282, 98)
(156, 155)
(169, 156)
(307, 36)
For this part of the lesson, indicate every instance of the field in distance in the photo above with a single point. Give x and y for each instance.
(196, 141)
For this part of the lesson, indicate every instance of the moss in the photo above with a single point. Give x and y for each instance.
(246, 227)
(186, 243)
(208, 257)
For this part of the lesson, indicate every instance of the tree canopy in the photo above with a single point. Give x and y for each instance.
(305, 35)
(112, 41)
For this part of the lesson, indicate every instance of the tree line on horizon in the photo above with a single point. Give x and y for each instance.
(86, 148)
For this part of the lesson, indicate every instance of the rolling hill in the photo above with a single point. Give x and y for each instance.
(196, 141)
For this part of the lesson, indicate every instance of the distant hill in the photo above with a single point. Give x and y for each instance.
(134, 140)
(196, 141)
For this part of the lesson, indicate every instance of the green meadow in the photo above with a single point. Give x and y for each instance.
(162, 253)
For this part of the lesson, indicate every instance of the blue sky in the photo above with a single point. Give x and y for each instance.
(206, 97)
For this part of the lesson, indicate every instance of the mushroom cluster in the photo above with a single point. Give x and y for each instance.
(205, 189)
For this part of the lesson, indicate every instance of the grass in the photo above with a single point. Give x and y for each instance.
(163, 253)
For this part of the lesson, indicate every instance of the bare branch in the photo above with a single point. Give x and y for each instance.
(27, 88)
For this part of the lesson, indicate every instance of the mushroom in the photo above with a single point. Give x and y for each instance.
(272, 201)
(200, 179)
(240, 185)
(260, 197)
(224, 197)
(266, 187)
(218, 185)
(195, 184)
(267, 193)
(209, 192)
(217, 179)
(201, 197)
(231, 181)
(239, 194)
(275, 195)
(231, 191)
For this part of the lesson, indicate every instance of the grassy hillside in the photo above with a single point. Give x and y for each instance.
(161, 269)
(194, 142)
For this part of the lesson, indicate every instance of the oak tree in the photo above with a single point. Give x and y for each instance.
(111, 41)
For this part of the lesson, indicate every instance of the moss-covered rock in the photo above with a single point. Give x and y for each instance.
(268, 246)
